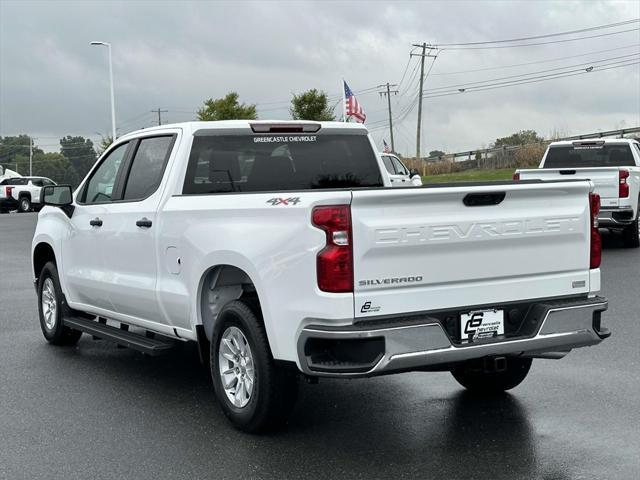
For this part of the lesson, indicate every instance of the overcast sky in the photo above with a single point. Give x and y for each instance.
(173, 55)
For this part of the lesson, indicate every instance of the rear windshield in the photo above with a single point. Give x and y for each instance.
(261, 163)
(14, 181)
(577, 156)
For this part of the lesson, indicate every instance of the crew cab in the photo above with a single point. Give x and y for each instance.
(613, 165)
(277, 247)
(22, 193)
(399, 174)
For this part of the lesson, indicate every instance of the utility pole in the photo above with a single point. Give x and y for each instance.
(422, 56)
(159, 112)
(388, 93)
(30, 156)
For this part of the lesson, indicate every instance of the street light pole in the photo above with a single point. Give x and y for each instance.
(113, 101)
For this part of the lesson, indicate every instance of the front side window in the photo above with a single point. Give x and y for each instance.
(400, 168)
(100, 185)
(37, 183)
(263, 163)
(386, 159)
(148, 166)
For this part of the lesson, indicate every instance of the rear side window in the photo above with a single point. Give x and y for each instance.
(148, 166)
(577, 156)
(262, 163)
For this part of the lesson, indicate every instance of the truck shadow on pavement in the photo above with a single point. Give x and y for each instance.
(388, 427)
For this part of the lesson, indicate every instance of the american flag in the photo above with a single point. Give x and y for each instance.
(387, 148)
(352, 107)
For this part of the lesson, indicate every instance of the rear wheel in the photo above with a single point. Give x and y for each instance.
(631, 234)
(254, 393)
(52, 308)
(475, 376)
(24, 205)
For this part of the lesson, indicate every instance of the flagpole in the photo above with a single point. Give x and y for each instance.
(344, 103)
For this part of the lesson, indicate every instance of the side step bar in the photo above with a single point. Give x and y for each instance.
(150, 346)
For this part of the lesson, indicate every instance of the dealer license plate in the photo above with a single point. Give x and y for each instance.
(481, 324)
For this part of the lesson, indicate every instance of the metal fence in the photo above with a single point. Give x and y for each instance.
(474, 154)
(501, 157)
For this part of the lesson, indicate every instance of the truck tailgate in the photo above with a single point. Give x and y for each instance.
(605, 179)
(424, 249)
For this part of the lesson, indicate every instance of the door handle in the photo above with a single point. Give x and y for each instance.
(96, 222)
(144, 222)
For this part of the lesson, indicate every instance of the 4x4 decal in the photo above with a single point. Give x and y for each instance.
(284, 201)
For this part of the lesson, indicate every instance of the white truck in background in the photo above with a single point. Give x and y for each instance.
(277, 247)
(613, 165)
(21, 193)
(399, 174)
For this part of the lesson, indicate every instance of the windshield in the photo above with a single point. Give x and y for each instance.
(577, 156)
(259, 163)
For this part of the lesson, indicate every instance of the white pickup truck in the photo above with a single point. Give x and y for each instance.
(613, 165)
(21, 193)
(277, 248)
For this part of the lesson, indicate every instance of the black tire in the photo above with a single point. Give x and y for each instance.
(631, 235)
(24, 204)
(275, 389)
(472, 375)
(52, 327)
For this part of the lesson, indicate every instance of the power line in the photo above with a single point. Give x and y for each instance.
(405, 70)
(500, 67)
(548, 35)
(531, 73)
(523, 82)
(544, 43)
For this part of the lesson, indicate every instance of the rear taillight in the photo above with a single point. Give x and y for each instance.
(7, 191)
(596, 241)
(516, 176)
(335, 261)
(623, 187)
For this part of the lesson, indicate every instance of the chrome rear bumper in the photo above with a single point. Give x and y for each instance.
(615, 217)
(418, 346)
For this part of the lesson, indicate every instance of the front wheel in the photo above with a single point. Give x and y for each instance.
(254, 393)
(474, 376)
(52, 308)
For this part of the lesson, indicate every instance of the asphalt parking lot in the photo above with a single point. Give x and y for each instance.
(95, 411)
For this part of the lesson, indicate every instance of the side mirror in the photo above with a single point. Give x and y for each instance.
(414, 172)
(56, 195)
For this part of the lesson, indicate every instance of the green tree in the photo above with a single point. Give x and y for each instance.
(311, 105)
(80, 152)
(437, 153)
(523, 137)
(56, 167)
(105, 142)
(15, 150)
(227, 108)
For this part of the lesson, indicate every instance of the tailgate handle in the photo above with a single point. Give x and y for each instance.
(483, 199)
(567, 172)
